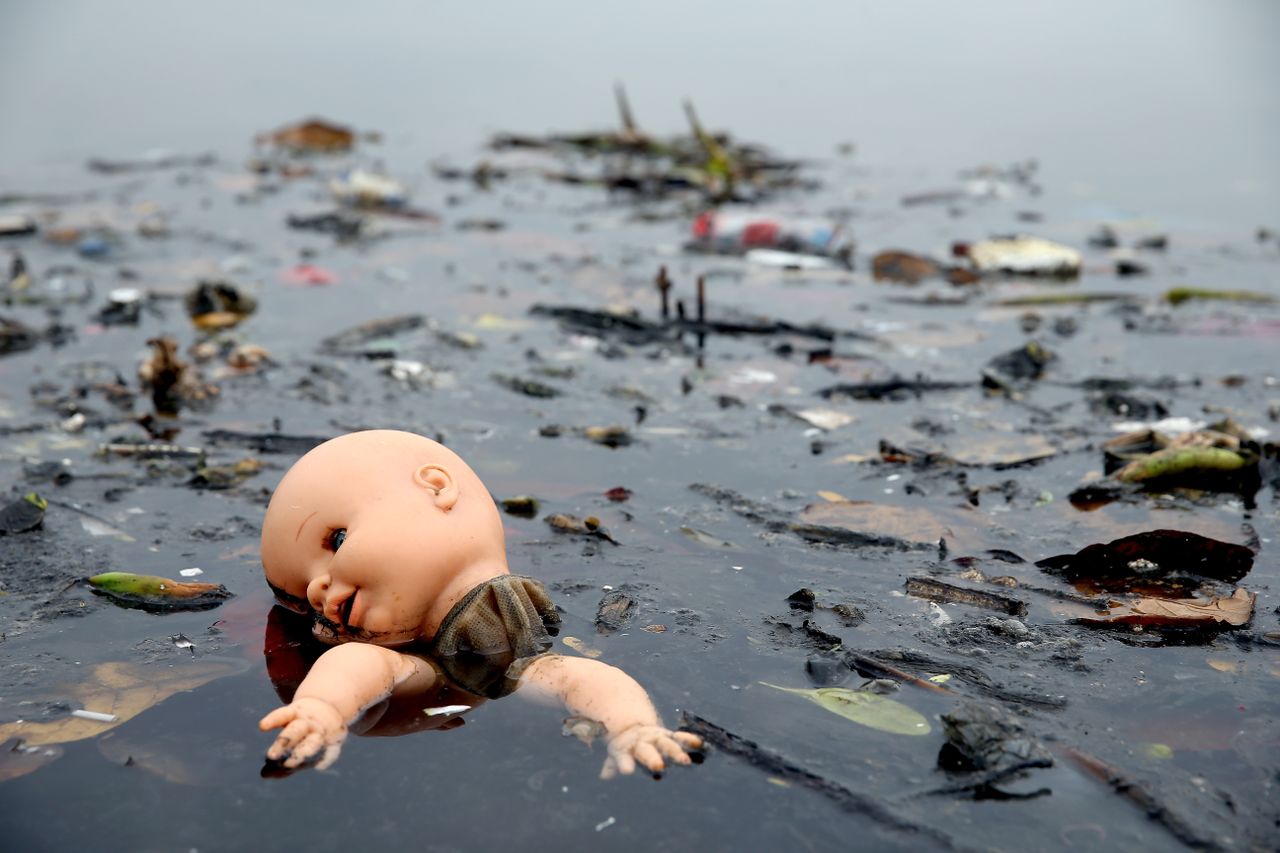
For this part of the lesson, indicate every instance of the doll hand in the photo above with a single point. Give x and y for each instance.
(647, 745)
(311, 728)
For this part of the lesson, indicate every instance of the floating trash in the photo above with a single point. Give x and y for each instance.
(1025, 256)
(150, 592)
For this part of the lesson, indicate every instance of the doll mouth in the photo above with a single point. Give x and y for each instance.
(345, 610)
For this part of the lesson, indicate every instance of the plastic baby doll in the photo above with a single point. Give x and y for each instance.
(395, 548)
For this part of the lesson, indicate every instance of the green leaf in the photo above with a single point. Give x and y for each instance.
(1179, 461)
(868, 709)
(155, 593)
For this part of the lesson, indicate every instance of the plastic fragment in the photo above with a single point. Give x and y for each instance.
(363, 188)
(97, 716)
(1025, 256)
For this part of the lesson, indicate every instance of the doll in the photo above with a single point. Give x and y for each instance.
(395, 548)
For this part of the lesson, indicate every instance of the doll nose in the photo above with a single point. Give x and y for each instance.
(318, 592)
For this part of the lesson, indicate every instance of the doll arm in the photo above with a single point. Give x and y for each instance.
(340, 686)
(606, 694)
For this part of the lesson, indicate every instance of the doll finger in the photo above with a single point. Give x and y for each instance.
(277, 718)
(672, 750)
(277, 750)
(330, 755)
(625, 763)
(649, 757)
(288, 736)
(688, 740)
(305, 749)
(610, 768)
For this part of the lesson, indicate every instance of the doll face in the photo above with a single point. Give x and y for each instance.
(337, 565)
(364, 537)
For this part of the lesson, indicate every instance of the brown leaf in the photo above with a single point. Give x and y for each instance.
(314, 135)
(903, 267)
(999, 449)
(965, 531)
(1234, 611)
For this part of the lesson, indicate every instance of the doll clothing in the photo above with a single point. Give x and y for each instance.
(488, 638)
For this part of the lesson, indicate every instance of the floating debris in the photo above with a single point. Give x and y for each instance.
(96, 716)
(734, 232)
(936, 590)
(590, 526)
(1024, 256)
(581, 648)
(151, 161)
(865, 708)
(704, 538)
(312, 136)
(171, 381)
(225, 476)
(823, 419)
(608, 436)
(342, 224)
(308, 275)
(1026, 363)
(525, 506)
(615, 610)
(986, 745)
(361, 188)
(1154, 553)
(527, 387)
(16, 225)
(216, 305)
(123, 308)
(903, 267)
(25, 513)
(373, 339)
(149, 592)
(1233, 611)
(1179, 295)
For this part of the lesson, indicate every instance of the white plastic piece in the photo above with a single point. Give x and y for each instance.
(97, 716)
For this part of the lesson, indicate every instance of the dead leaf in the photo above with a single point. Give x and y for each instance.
(903, 267)
(1232, 611)
(1155, 552)
(704, 538)
(311, 136)
(999, 449)
(965, 531)
(122, 689)
(581, 647)
(1233, 666)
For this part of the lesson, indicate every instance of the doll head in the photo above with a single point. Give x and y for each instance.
(376, 534)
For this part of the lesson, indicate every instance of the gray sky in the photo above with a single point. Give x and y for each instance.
(1165, 107)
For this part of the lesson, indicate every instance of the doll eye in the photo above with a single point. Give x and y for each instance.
(334, 540)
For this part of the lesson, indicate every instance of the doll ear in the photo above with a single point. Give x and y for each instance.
(440, 483)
